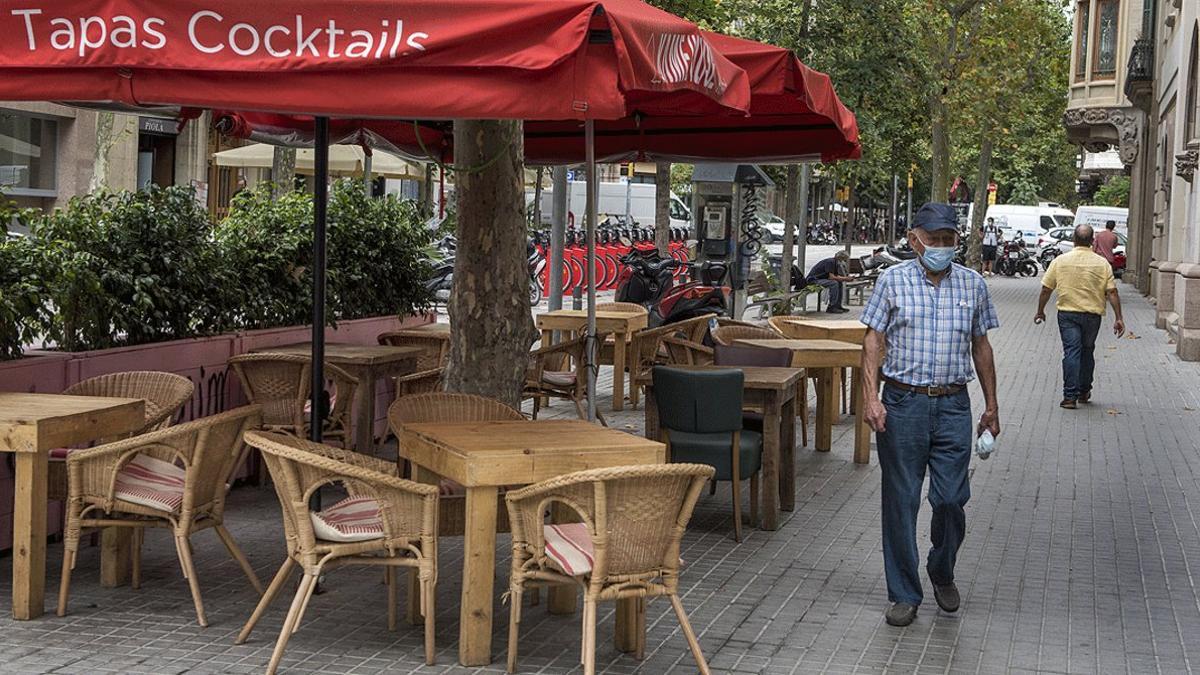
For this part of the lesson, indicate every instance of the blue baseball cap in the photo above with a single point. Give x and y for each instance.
(935, 216)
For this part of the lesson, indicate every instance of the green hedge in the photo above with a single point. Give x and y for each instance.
(126, 268)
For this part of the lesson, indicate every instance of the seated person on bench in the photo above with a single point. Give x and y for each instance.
(831, 273)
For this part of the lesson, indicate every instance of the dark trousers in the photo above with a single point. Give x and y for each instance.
(923, 431)
(833, 290)
(1078, 331)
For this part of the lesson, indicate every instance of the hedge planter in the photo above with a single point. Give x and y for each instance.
(201, 360)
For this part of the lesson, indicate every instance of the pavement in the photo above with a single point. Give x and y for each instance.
(1082, 555)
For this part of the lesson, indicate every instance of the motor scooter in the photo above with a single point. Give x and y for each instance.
(648, 279)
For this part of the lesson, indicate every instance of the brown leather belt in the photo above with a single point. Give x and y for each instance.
(946, 390)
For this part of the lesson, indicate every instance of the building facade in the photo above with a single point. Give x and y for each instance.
(1133, 89)
(50, 153)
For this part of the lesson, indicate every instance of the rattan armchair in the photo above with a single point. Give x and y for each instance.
(559, 371)
(431, 364)
(648, 349)
(633, 520)
(164, 394)
(385, 521)
(281, 384)
(175, 478)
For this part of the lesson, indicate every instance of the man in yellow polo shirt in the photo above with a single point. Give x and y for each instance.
(1083, 280)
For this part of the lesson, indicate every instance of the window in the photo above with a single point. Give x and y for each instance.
(28, 154)
(1083, 11)
(1046, 222)
(1104, 57)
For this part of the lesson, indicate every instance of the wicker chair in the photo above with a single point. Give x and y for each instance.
(448, 408)
(727, 335)
(683, 351)
(633, 518)
(780, 324)
(385, 521)
(164, 395)
(175, 478)
(559, 371)
(648, 349)
(431, 364)
(281, 384)
(630, 307)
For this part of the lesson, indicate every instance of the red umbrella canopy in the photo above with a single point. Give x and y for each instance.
(484, 59)
(795, 115)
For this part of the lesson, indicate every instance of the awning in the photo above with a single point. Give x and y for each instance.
(344, 160)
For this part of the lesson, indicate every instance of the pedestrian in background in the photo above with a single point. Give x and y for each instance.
(830, 274)
(931, 318)
(991, 239)
(1106, 241)
(1083, 279)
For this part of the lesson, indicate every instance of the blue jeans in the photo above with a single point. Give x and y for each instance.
(1078, 331)
(923, 431)
(833, 290)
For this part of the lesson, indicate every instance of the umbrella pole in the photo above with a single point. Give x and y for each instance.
(320, 202)
(367, 174)
(592, 369)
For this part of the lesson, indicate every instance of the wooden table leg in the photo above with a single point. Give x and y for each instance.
(787, 458)
(630, 625)
(770, 461)
(827, 407)
(115, 545)
(365, 431)
(479, 575)
(563, 598)
(855, 387)
(652, 429)
(619, 371)
(29, 535)
(862, 438)
(412, 599)
(631, 364)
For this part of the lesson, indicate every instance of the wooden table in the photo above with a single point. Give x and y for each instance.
(441, 330)
(801, 328)
(367, 363)
(826, 358)
(773, 392)
(621, 324)
(483, 456)
(30, 426)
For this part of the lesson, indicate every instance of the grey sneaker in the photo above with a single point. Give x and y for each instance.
(947, 597)
(901, 614)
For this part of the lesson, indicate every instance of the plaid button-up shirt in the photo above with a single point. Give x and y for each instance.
(928, 329)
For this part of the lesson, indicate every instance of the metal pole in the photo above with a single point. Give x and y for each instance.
(558, 236)
(367, 161)
(907, 207)
(320, 205)
(895, 207)
(629, 194)
(801, 253)
(590, 139)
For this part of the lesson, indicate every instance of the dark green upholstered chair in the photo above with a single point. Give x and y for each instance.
(700, 417)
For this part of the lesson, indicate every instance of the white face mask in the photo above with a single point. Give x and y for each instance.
(936, 258)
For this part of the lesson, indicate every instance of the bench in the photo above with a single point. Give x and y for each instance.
(765, 297)
(858, 288)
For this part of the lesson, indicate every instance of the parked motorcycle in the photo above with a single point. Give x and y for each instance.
(1016, 260)
(649, 280)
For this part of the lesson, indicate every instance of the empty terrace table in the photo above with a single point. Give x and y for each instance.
(773, 392)
(30, 426)
(826, 358)
(367, 363)
(483, 457)
(621, 324)
(803, 328)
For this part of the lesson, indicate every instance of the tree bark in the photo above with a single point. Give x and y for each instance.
(939, 163)
(790, 218)
(662, 208)
(283, 170)
(489, 304)
(974, 247)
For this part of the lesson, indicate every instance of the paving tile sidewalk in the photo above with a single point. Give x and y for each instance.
(1081, 556)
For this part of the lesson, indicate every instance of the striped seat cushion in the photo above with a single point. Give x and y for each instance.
(60, 453)
(332, 403)
(569, 547)
(151, 482)
(559, 378)
(351, 519)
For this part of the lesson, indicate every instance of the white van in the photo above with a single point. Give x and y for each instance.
(1097, 216)
(1029, 222)
(611, 201)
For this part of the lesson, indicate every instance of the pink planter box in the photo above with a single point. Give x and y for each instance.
(202, 360)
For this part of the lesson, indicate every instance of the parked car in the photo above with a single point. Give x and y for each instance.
(774, 225)
(1061, 237)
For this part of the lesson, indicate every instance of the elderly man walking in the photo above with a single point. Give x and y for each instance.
(931, 318)
(1083, 279)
